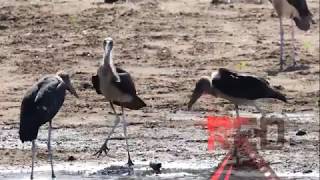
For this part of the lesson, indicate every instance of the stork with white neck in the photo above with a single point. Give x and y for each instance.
(117, 86)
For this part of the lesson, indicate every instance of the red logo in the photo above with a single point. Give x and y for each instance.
(221, 128)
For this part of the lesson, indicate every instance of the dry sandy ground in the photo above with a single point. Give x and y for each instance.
(167, 45)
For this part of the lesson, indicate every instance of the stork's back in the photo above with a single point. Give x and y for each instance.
(35, 112)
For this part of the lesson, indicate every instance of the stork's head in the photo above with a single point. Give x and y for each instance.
(203, 86)
(107, 44)
(66, 79)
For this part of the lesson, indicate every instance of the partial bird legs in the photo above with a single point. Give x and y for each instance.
(263, 114)
(49, 149)
(236, 137)
(130, 163)
(104, 148)
(281, 45)
(33, 149)
(293, 44)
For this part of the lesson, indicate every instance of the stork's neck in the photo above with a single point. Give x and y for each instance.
(107, 58)
(108, 63)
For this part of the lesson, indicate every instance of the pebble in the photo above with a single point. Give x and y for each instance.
(307, 171)
(301, 133)
(71, 158)
(156, 166)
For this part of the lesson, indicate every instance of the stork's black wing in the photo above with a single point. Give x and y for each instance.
(40, 104)
(302, 22)
(241, 86)
(301, 6)
(226, 72)
(96, 83)
(126, 84)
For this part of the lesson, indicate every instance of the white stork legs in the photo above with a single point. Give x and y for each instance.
(50, 150)
(33, 149)
(281, 45)
(294, 53)
(293, 44)
(104, 148)
(130, 163)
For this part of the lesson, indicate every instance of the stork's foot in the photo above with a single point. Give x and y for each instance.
(235, 156)
(112, 113)
(282, 64)
(130, 163)
(53, 175)
(104, 149)
(31, 177)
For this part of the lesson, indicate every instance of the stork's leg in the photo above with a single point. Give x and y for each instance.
(236, 137)
(293, 44)
(33, 149)
(237, 110)
(263, 114)
(50, 150)
(130, 163)
(281, 45)
(104, 148)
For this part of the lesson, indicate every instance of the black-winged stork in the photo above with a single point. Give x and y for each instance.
(117, 86)
(39, 105)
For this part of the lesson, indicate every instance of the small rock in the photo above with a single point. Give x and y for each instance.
(71, 158)
(3, 27)
(292, 143)
(86, 85)
(85, 54)
(307, 171)
(156, 167)
(301, 133)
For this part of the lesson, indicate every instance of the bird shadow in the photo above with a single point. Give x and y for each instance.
(296, 68)
(275, 71)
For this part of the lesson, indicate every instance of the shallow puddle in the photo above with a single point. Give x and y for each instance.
(142, 171)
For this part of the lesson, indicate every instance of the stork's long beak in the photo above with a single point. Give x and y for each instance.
(194, 97)
(202, 86)
(71, 89)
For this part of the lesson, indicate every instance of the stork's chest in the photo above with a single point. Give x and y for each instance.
(107, 86)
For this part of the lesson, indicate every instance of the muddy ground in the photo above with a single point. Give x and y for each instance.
(166, 46)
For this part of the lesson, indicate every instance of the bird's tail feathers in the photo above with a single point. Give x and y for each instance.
(28, 131)
(135, 104)
(139, 103)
